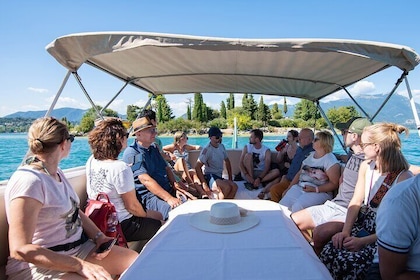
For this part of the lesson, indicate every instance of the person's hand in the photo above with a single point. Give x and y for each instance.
(353, 244)
(338, 239)
(257, 182)
(307, 188)
(207, 190)
(101, 239)
(174, 202)
(93, 271)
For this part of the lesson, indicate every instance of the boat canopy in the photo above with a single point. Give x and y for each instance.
(175, 64)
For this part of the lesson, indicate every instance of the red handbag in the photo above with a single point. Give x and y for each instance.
(102, 212)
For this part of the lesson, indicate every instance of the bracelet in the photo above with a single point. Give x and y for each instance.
(317, 189)
(98, 234)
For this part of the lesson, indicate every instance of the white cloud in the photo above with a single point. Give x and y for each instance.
(415, 93)
(65, 101)
(39, 90)
(362, 87)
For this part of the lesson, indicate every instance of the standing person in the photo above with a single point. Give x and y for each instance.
(306, 136)
(318, 177)
(328, 219)
(283, 160)
(398, 231)
(49, 236)
(255, 161)
(179, 153)
(351, 252)
(105, 173)
(153, 177)
(212, 157)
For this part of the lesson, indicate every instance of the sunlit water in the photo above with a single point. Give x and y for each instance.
(13, 148)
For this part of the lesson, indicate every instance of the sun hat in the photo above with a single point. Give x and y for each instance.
(224, 217)
(214, 131)
(355, 124)
(140, 124)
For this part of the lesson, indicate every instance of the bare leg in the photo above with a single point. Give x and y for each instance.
(227, 189)
(248, 164)
(271, 175)
(322, 234)
(304, 222)
(117, 261)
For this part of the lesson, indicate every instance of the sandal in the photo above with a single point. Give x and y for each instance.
(261, 195)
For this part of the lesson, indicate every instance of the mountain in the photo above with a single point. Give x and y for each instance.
(71, 114)
(397, 109)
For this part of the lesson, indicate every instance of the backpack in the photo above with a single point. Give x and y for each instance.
(102, 212)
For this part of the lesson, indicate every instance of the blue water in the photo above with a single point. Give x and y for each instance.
(13, 148)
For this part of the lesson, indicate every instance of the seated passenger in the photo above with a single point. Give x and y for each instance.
(255, 161)
(49, 236)
(178, 152)
(398, 231)
(153, 177)
(306, 136)
(283, 161)
(152, 117)
(318, 177)
(350, 253)
(328, 219)
(105, 173)
(212, 157)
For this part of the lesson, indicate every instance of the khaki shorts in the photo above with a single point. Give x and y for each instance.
(37, 273)
(327, 212)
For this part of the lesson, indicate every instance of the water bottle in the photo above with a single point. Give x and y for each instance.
(281, 145)
(112, 223)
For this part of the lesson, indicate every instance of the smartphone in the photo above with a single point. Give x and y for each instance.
(362, 233)
(106, 246)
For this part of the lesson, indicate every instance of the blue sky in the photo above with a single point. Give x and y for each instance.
(29, 76)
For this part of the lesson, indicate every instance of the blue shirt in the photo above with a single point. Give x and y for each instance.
(147, 160)
(301, 154)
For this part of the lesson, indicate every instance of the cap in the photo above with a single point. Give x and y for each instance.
(140, 124)
(355, 124)
(214, 131)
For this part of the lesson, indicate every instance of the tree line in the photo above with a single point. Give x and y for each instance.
(198, 116)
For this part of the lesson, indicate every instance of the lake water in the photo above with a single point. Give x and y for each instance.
(13, 148)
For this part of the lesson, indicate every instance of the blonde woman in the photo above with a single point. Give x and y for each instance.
(350, 253)
(318, 177)
(179, 151)
(49, 237)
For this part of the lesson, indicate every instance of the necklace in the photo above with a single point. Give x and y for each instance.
(34, 159)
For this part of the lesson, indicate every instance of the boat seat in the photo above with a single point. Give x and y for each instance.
(4, 228)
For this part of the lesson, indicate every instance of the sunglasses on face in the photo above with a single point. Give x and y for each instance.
(364, 145)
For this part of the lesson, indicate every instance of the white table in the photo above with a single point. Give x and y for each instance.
(274, 249)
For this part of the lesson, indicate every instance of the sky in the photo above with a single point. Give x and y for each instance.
(30, 77)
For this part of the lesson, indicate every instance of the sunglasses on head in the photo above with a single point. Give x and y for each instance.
(71, 138)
